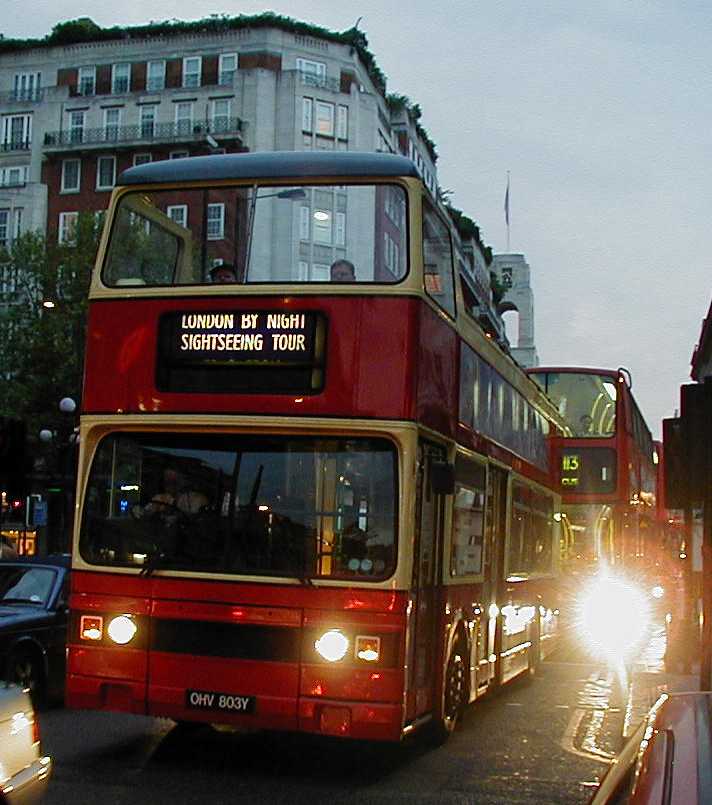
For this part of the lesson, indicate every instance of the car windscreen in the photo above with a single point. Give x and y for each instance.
(260, 505)
(26, 585)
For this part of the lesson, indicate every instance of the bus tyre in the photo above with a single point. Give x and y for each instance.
(453, 696)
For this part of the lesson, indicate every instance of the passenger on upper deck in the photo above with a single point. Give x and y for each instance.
(223, 272)
(342, 271)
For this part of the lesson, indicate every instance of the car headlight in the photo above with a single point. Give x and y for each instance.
(122, 629)
(332, 645)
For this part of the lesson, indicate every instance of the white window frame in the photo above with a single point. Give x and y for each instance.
(67, 227)
(25, 140)
(313, 72)
(73, 128)
(182, 218)
(99, 161)
(220, 233)
(86, 75)
(138, 160)
(6, 174)
(65, 187)
(223, 72)
(304, 223)
(17, 222)
(320, 272)
(308, 114)
(124, 67)
(321, 106)
(340, 228)
(111, 130)
(156, 83)
(192, 79)
(342, 122)
(26, 86)
(181, 121)
(214, 118)
(145, 119)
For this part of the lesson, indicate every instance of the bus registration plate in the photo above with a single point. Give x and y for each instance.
(224, 702)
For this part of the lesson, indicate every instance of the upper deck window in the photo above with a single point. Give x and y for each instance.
(437, 260)
(587, 401)
(269, 234)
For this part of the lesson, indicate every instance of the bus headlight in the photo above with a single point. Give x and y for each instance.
(122, 629)
(657, 591)
(332, 645)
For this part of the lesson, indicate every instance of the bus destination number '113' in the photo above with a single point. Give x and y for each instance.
(570, 465)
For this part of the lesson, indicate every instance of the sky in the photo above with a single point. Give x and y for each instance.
(601, 113)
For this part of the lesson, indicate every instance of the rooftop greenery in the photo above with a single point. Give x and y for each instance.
(467, 229)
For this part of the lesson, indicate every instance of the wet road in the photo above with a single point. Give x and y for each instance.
(543, 740)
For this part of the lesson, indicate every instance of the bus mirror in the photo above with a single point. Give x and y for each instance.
(442, 478)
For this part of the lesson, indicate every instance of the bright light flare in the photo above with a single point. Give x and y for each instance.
(613, 617)
(122, 629)
(657, 591)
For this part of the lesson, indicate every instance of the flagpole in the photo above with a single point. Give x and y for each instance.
(506, 211)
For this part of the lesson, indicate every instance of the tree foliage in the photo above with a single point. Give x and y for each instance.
(43, 348)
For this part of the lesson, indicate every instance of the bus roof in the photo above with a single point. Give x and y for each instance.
(269, 165)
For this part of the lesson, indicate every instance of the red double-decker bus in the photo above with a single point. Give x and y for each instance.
(606, 466)
(316, 497)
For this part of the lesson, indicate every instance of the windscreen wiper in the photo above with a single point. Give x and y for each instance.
(154, 560)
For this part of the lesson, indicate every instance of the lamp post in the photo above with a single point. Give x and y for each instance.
(64, 440)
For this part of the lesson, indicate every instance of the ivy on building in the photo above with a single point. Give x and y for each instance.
(84, 30)
(402, 103)
(467, 229)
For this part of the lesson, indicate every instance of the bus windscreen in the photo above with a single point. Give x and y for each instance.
(259, 506)
(261, 234)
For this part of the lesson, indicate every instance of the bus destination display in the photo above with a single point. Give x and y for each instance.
(243, 337)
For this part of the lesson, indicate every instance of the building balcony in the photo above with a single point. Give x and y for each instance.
(34, 95)
(15, 145)
(142, 134)
(318, 81)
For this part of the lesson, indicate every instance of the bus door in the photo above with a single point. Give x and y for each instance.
(423, 625)
(496, 519)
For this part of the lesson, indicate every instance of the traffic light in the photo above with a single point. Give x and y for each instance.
(13, 435)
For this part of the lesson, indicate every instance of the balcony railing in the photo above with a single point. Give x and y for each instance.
(15, 145)
(321, 82)
(180, 132)
(22, 96)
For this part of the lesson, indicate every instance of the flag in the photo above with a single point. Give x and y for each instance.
(506, 203)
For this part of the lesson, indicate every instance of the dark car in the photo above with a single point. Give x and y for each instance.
(34, 594)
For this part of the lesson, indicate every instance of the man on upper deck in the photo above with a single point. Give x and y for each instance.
(342, 271)
(223, 272)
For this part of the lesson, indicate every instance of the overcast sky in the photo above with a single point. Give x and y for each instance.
(603, 117)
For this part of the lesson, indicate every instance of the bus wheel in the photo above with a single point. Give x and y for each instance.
(453, 696)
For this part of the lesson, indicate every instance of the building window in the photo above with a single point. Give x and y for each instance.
(221, 115)
(67, 226)
(87, 80)
(105, 173)
(178, 214)
(307, 113)
(304, 232)
(227, 68)
(76, 127)
(16, 132)
(184, 117)
(313, 72)
(342, 123)
(178, 155)
(4, 228)
(340, 229)
(322, 226)
(8, 278)
(141, 159)
(155, 75)
(17, 223)
(325, 119)
(71, 175)
(26, 86)
(120, 77)
(191, 71)
(216, 221)
(14, 177)
(112, 121)
(148, 120)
